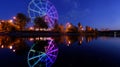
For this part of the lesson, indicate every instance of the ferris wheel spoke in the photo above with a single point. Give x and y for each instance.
(50, 59)
(36, 1)
(34, 57)
(48, 47)
(34, 11)
(32, 50)
(52, 22)
(38, 60)
(50, 9)
(51, 48)
(53, 13)
(37, 6)
(52, 51)
(53, 17)
(51, 55)
(33, 17)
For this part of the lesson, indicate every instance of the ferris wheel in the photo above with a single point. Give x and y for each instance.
(44, 9)
(46, 58)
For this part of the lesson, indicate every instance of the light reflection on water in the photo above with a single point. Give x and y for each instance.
(65, 51)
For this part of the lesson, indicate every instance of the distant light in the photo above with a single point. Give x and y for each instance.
(80, 42)
(68, 25)
(45, 29)
(31, 28)
(37, 38)
(82, 29)
(82, 38)
(10, 47)
(31, 39)
(48, 29)
(3, 21)
(2, 46)
(49, 38)
(14, 50)
(14, 18)
(41, 29)
(41, 38)
(69, 42)
(10, 21)
(37, 29)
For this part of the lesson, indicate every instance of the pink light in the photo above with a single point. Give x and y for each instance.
(37, 29)
(80, 42)
(31, 39)
(14, 50)
(37, 38)
(14, 17)
(31, 28)
(2, 46)
(3, 21)
(69, 42)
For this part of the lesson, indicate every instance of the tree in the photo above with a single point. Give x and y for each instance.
(79, 24)
(21, 20)
(39, 22)
(71, 28)
(56, 27)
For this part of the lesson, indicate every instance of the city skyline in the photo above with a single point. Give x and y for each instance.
(96, 13)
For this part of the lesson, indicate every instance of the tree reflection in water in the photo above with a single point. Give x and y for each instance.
(69, 40)
(20, 46)
(17, 45)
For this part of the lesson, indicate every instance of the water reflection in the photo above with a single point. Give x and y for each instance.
(17, 45)
(40, 51)
(69, 40)
(90, 38)
(80, 39)
(43, 53)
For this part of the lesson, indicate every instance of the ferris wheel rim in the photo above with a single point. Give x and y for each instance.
(50, 11)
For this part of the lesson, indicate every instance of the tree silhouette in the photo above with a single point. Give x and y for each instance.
(79, 24)
(56, 27)
(21, 20)
(39, 22)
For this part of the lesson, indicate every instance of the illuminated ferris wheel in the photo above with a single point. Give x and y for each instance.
(42, 58)
(43, 8)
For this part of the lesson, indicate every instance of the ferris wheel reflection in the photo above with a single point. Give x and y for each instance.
(42, 54)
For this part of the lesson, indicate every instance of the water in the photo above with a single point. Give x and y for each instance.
(59, 51)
